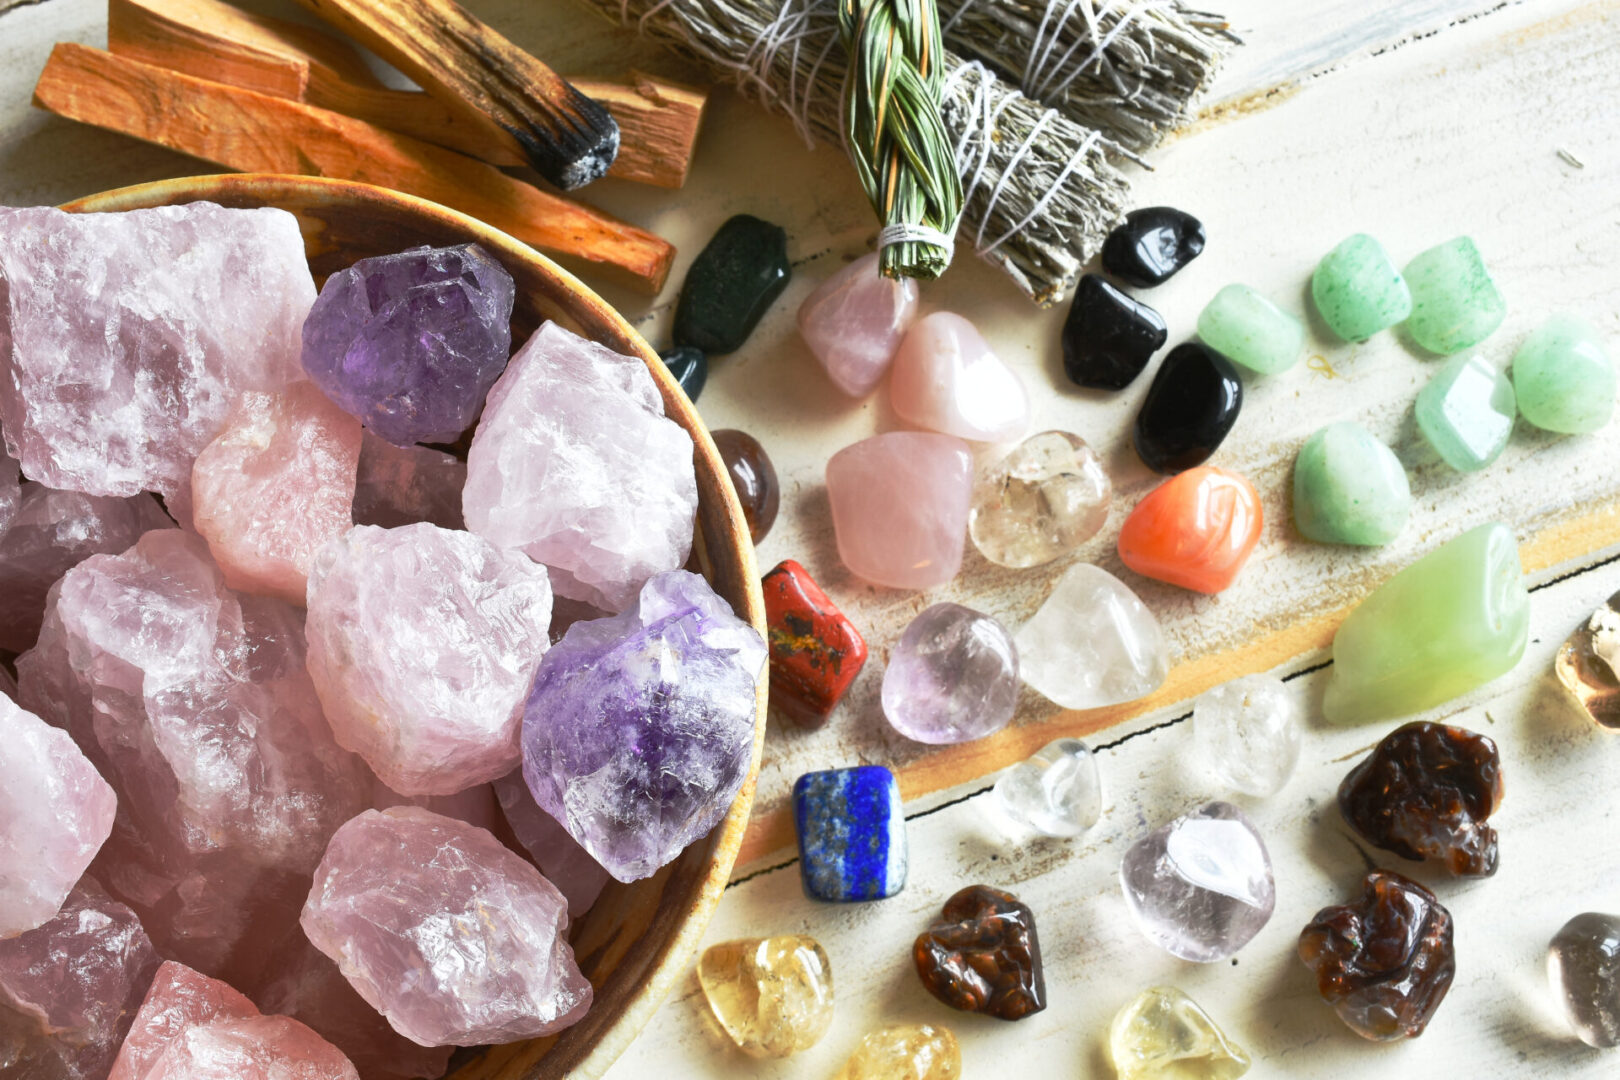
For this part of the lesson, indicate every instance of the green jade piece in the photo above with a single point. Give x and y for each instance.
(1563, 378)
(1454, 620)
(1466, 412)
(1246, 328)
(1349, 488)
(1357, 289)
(1455, 304)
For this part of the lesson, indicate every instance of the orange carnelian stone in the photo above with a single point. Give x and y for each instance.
(1194, 530)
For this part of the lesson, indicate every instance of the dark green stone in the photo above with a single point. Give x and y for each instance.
(731, 285)
(689, 366)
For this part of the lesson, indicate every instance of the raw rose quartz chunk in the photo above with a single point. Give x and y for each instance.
(946, 379)
(900, 507)
(575, 463)
(452, 937)
(69, 989)
(55, 813)
(193, 702)
(854, 322)
(401, 485)
(125, 338)
(274, 486)
(10, 488)
(564, 863)
(422, 646)
(179, 999)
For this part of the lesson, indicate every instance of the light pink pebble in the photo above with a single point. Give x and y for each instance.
(854, 322)
(900, 507)
(947, 379)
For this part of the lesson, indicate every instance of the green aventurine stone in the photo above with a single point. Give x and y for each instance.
(1349, 488)
(732, 283)
(1563, 378)
(1466, 412)
(1455, 303)
(1455, 619)
(1248, 329)
(1357, 289)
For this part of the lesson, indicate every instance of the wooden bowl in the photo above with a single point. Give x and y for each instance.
(638, 941)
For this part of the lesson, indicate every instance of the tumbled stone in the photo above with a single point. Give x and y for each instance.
(1057, 791)
(1247, 328)
(852, 834)
(1108, 337)
(1385, 961)
(689, 368)
(1563, 379)
(639, 730)
(1247, 733)
(1357, 289)
(816, 651)
(773, 996)
(70, 987)
(411, 342)
(753, 478)
(1092, 643)
(1195, 530)
(900, 506)
(1453, 620)
(1043, 500)
(274, 486)
(854, 321)
(1466, 412)
(731, 284)
(1583, 968)
(1152, 244)
(1455, 304)
(1188, 411)
(1349, 488)
(422, 644)
(947, 379)
(1200, 886)
(952, 677)
(452, 937)
(575, 464)
(401, 485)
(127, 337)
(983, 956)
(55, 813)
(564, 863)
(1588, 664)
(905, 1052)
(1162, 1034)
(179, 999)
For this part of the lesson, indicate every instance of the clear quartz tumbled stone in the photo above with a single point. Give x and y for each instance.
(1247, 734)
(1056, 791)
(773, 996)
(1044, 499)
(1583, 966)
(1092, 643)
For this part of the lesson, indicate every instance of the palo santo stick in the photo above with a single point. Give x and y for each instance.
(658, 119)
(253, 132)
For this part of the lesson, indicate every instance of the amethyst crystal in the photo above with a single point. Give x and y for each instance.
(639, 728)
(411, 343)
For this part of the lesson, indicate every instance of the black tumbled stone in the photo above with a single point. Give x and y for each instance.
(1192, 404)
(1108, 336)
(689, 366)
(732, 283)
(1152, 245)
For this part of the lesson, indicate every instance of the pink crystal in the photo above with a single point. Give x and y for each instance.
(10, 489)
(125, 338)
(276, 484)
(575, 464)
(854, 322)
(947, 379)
(476, 806)
(422, 645)
(179, 999)
(564, 863)
(452, 937)
(55, 813)
(401, 485)
(900, 507)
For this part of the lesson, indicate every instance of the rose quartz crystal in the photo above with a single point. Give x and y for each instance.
(179, 999)
(55, 813)
(900, 507)
(575, 463)
(401, 485)
(452, 937)
(193, 702)
(947, 379)
(10, 488)
(564, 863)
(276, 484)
(422, 645)
(476, 806)
(854, 322)
(69, 989)
(125, 338)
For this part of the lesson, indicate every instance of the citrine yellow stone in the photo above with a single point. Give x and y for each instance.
(906, 1052)
(773, 996)
(1165, 1035)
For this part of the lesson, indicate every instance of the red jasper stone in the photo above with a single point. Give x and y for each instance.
(816, 652)
(1195, 530)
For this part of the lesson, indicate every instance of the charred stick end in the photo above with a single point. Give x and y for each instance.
(572, 142)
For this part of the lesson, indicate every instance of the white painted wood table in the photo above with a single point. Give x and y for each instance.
(1415, 121)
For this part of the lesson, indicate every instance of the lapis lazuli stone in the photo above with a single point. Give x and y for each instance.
(852, 834)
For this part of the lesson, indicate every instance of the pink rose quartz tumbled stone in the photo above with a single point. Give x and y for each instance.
(565, 864)
(900, 507)
(947, 379)
(400, 485)
(453, 938)
(854, 321)
(275, 485)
